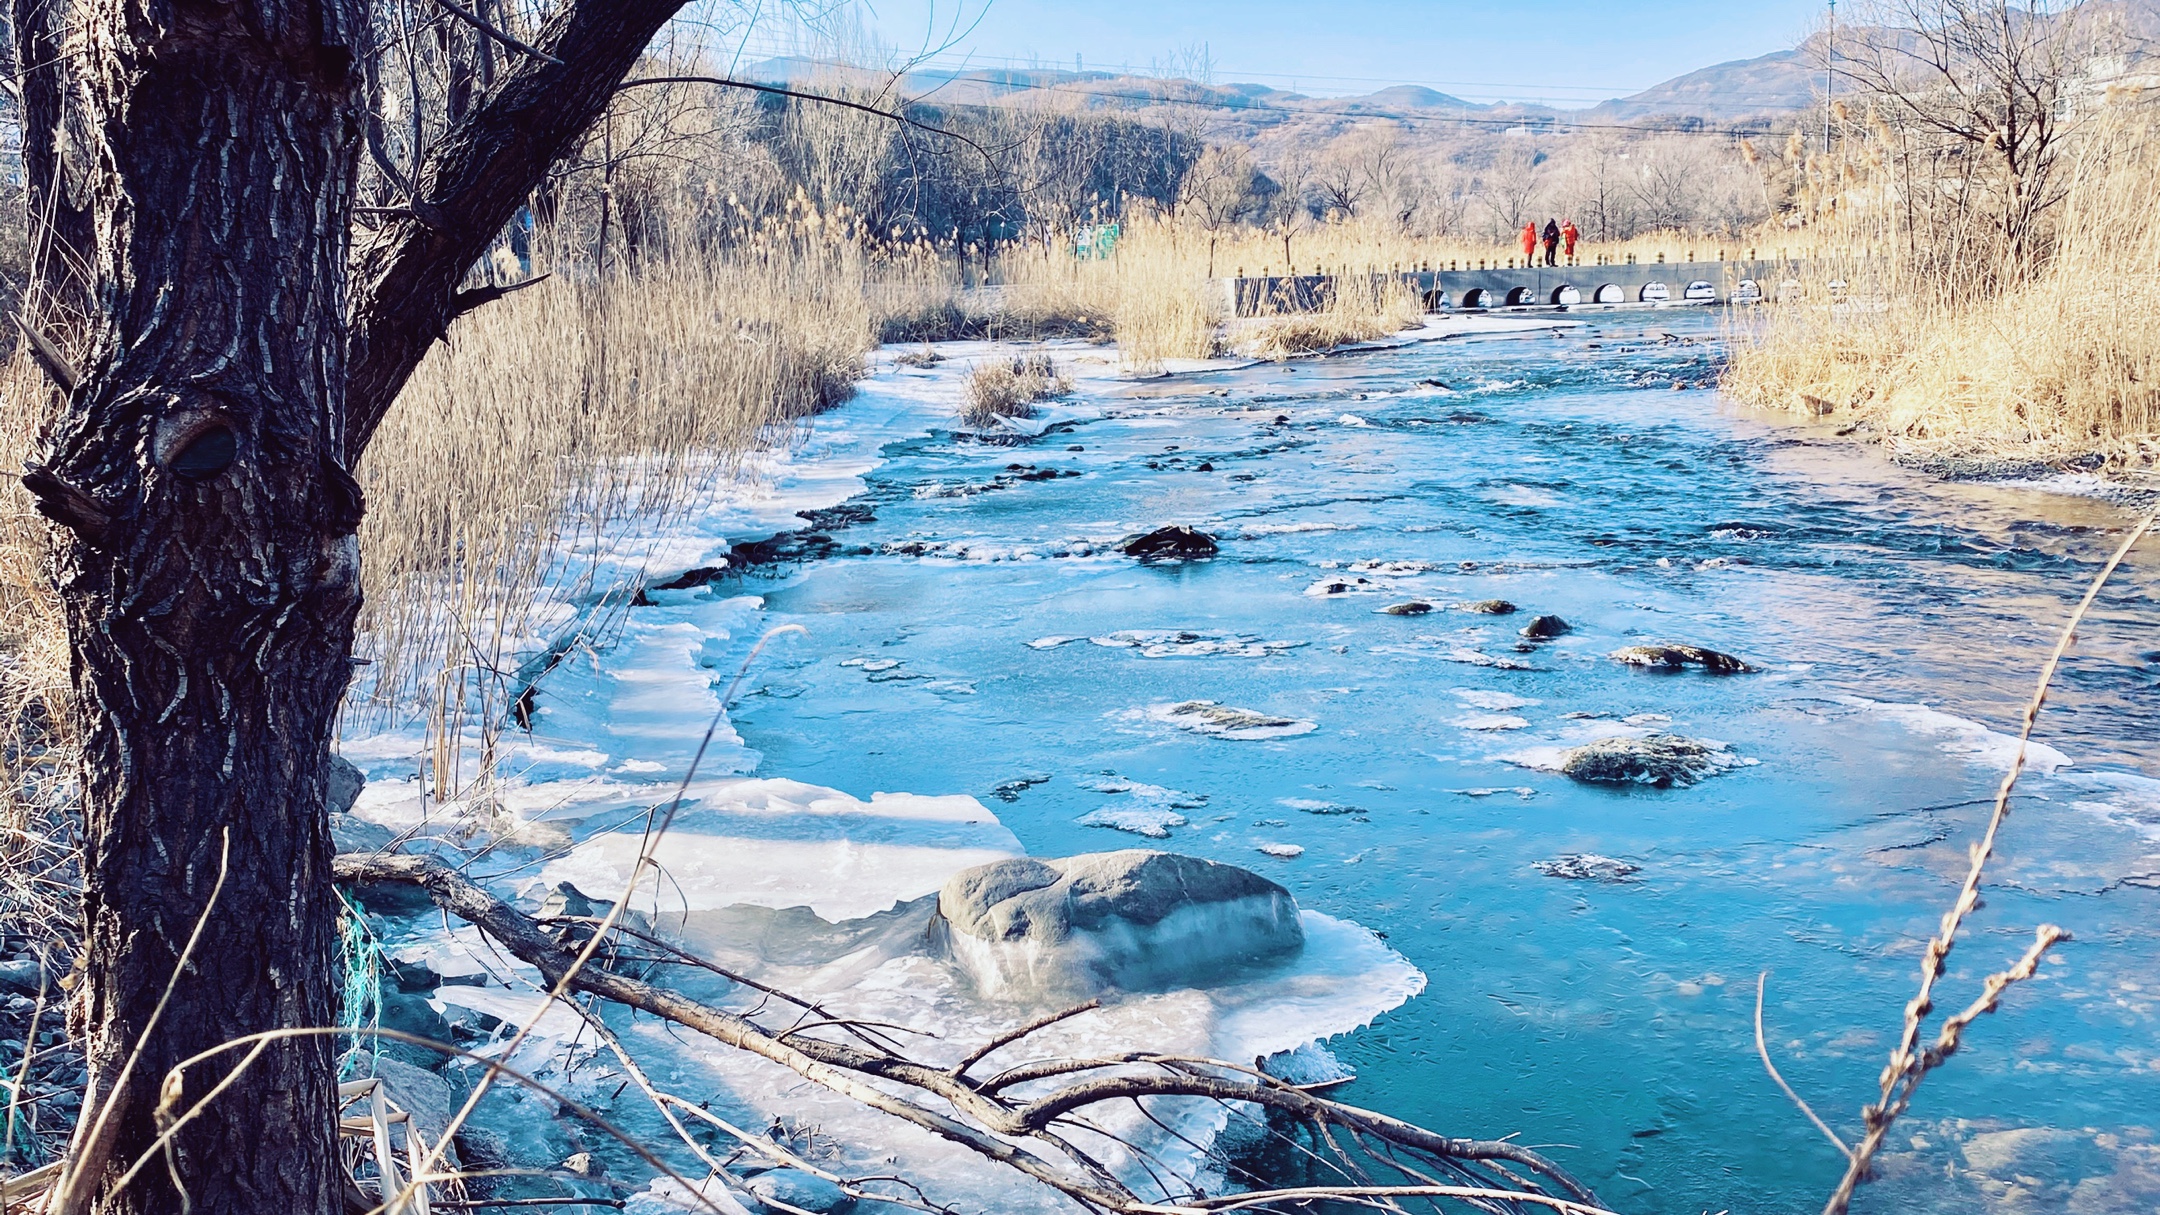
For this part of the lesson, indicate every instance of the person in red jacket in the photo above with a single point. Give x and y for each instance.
(1529, 242)
(1568, 235)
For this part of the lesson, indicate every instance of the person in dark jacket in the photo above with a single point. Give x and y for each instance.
(1552, 241)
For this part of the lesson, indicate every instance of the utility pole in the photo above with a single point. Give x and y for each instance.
(1829, 75)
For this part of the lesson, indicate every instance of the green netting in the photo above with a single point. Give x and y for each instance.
(360, 958)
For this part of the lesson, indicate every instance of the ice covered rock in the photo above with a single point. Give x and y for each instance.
(1587, 867)
(1136, 920)
(1179, 543)
(1651, 759)
(1488, 607)
(1678, 658)
(1223, 721)
(1415, 607)
(1152, 821)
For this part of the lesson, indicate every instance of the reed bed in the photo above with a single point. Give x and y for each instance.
(1009, 388)
(1967, 353)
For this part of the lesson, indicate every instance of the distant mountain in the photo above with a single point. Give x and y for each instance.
(1779, 83)
(1412, 97)
(1771, 86)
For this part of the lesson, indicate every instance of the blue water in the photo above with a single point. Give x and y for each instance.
(1564, 472)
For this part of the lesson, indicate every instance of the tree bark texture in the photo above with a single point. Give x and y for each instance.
(208, 566)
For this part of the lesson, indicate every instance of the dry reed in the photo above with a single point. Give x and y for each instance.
(1962, 354)
(1009, 388)
(523, 446)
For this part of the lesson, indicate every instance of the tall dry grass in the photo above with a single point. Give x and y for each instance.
(504, 479)
(38, 883)
(1965, 353)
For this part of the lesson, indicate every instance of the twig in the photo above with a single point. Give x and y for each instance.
(47, 356)
(496, 34)
(258, 1042)
(1011, 1036)
(1907, 1065)
(1763, 1048)
(843, 103)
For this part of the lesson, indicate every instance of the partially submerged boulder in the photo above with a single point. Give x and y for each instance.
(1488, 607)
(1415, 607)
(1178, 543)
(1134, 920)
(1651, 759)
(1545, 628)
(1679, 658)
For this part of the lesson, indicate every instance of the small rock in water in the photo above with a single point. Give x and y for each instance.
(1489, 607)
(1312, 806)
(798, 1190)
(1283, 852)
(1415, 607)
(1208, 717)
(1545, 628)
(1587, 867)
(1679, 658)
(1010, 791)
(1653, 759)
(1179, 543)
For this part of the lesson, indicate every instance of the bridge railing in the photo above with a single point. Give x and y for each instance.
(1640, 284)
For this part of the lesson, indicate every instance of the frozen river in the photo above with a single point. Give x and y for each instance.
(1896, 622)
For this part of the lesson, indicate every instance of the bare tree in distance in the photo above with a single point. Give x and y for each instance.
(1513, 189)
(1980, 98)
(1218, 193)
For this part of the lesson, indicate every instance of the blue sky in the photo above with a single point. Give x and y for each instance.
(1563, 52)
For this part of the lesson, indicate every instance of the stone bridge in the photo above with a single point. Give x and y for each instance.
(1643, 284)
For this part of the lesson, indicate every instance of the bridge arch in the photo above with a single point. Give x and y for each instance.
(1477, 297)
(1654, 293)
(1748, 291)
(1517, 297)
(1701, 291)
(1610, 293)
(1566, 294)
(1436, 300)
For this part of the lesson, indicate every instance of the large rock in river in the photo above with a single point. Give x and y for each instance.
(1680, 657)
(1179, 543)
(1652, 759)
(1028, 929)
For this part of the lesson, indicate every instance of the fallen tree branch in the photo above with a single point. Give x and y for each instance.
(981, 1119)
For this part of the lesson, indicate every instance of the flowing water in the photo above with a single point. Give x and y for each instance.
(1896, 623)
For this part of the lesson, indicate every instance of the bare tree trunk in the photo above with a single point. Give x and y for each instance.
(198, 160)
(209, 571)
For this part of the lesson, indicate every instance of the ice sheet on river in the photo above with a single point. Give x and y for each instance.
(818, 890)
